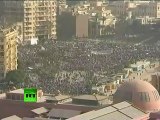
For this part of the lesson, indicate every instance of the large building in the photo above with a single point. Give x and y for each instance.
(141, 93)
(81, 26)
(65, 25)
(72, 25)
(93, 100)
(119, 111)
(39, 17)
(8, 49)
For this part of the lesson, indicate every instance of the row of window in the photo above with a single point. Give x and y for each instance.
(36, 19)
(15, 97)
(144, 96)
(156, 95)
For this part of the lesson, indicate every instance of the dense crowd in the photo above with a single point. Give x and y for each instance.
(69, 67)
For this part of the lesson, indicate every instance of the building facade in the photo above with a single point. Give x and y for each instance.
(81, 26)
(8, 50)
(39, 19)
(65, 25)
(151, 9)
(155, 81)
(72, 25)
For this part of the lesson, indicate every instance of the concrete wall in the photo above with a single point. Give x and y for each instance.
(81, 26)
(65, 26)
(85, 102)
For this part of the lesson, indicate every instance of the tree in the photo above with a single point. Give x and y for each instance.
(16, 77)
(19, 64)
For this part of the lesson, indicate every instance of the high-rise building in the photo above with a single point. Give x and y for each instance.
(38, 17)
(72, 25)
(8, 49)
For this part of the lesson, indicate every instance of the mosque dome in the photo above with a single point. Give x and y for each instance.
(140, 93)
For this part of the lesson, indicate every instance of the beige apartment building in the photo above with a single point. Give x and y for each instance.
(8, 49)
(38, 16)
(39, 19)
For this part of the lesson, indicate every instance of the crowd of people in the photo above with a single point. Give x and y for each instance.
(80, 63)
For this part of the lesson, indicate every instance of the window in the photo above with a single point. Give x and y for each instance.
(27, 19)
(156, 95)
(1, 53)
(144, 96)
(1, 47)
(147, 98)
(28, 28)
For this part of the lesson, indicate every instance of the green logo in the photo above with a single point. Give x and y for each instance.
(30, 95)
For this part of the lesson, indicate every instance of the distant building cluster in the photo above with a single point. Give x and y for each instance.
(63, 20)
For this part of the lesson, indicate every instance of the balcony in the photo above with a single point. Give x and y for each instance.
(41, 20)
(28, 15)
(28, 30)
(42, 6)
(26, 20)
(41, 14)
(40, 23)
(27, 9)
(42, 9)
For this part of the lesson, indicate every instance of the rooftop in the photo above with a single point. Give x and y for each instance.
(58, 98)
(121, 105)
(40, 110)
(91, 97)
(62, 113)
(13, 117)
(20, 91)
(120, 111)
(21, 109)
(25, 118)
